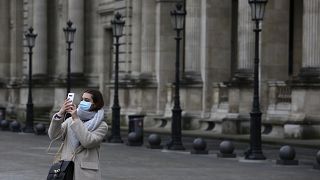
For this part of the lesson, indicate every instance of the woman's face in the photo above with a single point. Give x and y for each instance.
(87, 97)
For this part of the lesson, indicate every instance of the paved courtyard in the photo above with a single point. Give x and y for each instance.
(24, 157)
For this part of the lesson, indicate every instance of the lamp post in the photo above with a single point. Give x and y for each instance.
(69, 32)
(255, 151)
(177, 17)
(117, 27)
(30, 38)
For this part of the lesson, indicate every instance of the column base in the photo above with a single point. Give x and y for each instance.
(77, 80)
(191, 78)
(245, 75)
(309, 73)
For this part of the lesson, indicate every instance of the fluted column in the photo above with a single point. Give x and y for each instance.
(165, 50)
(59, 43)
(311, 38)
(216, 42)
(95, 47)
(148, 37)
(245, 40)
(207, 88)
(4, 41)
(39, 14)
(76, 15)
(216, 48)
(136, 37)
(16, 39)
(193, 36)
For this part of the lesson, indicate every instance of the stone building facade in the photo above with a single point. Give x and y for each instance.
(217, 61)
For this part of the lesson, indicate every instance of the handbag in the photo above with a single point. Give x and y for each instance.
(62, 170)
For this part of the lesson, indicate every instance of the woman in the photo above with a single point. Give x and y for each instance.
(82, 134)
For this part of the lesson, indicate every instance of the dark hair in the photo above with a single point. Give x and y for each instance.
(97, 99)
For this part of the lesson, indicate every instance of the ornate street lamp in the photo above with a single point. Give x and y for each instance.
(30, 39)
(69, 32)
(117, 27)
(177, 18)
(255, 151)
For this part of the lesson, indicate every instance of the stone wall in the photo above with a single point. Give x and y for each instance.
(216, 61)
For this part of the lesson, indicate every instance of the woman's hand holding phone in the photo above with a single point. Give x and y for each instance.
(67, 104)
(70, 107)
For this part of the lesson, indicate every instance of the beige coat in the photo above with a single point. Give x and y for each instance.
(87, 154)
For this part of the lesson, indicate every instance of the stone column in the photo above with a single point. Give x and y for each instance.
(311, 38)
(193, 35)
(207, 88)
(60, 53)
(165, 50)
(94, 41)
(218, 40)
(39, 17)
(148, 37)
(4, 41)
(304, 95)
(76, 15)
(245, 41)
(274, 47)
(216, 52)
(16, 39)
(136, 37)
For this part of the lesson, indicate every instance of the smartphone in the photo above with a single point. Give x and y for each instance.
(70, 97)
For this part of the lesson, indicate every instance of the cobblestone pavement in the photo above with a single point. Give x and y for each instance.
(24, 157)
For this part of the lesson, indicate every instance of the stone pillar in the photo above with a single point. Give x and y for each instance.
(76, 15)
(216, 56)
(274, 45)
(304, 110)
(136, 37)
(245, 41)
(311, 38)
(165, 50)
(193, 35)
(4, 41)
(39, 17)
(218, 40)
(94, 41)
(148, 37)
(60, 54)
(16, 39)
(207, 88)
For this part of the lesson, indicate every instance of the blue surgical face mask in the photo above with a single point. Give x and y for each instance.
(85, 105)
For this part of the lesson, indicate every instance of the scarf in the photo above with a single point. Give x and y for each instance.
(91, 121)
